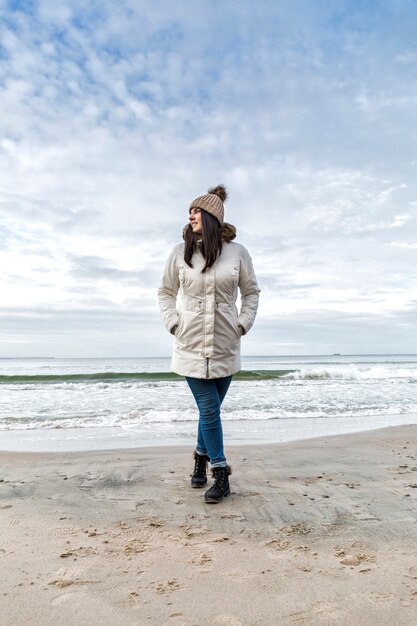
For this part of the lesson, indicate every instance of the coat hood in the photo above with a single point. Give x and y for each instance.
(228, 231)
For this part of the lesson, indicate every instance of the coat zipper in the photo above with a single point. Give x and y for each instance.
(204, 327)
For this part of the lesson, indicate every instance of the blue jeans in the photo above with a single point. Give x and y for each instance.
(209, 395)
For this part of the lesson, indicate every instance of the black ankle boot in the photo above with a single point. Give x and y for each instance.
(199, 477)
(221, 487)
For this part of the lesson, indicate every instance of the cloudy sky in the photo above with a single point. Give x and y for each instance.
(114, 115)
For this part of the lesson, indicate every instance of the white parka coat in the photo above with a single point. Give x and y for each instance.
(206, 324)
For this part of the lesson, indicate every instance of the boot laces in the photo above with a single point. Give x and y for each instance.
(220, 474)
(200, 466)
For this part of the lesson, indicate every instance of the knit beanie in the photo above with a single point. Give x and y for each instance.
(212, 202)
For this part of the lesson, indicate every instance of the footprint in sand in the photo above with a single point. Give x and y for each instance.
(278, 545)
(82, 551)
(191, 532)
(296, 529)
(168, 586)
(277, 548)
(204, 558)
(136, 546)
(353, 559)
(2, 552)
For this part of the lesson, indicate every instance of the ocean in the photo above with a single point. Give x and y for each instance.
(74, 404)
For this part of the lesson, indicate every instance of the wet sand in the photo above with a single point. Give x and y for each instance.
(320, 531)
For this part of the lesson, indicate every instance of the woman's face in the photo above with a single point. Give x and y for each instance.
(196, 221)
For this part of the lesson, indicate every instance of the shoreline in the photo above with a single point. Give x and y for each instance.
(176, 434)
(119, 536)
(181, 449)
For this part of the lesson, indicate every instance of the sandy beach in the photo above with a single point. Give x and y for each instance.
(320, 531)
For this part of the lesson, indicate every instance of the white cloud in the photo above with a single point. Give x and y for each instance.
(114, 117)
(402, 244)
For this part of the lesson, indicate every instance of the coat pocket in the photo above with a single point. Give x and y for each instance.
(189, 334)
(226, 325)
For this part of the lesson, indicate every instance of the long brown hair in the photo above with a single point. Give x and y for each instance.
(211, 241)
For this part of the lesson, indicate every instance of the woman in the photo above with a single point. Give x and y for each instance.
(207, 271)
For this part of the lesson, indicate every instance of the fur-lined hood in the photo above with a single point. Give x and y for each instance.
(228, 231)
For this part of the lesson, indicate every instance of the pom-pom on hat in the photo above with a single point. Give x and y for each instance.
(212, 202)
